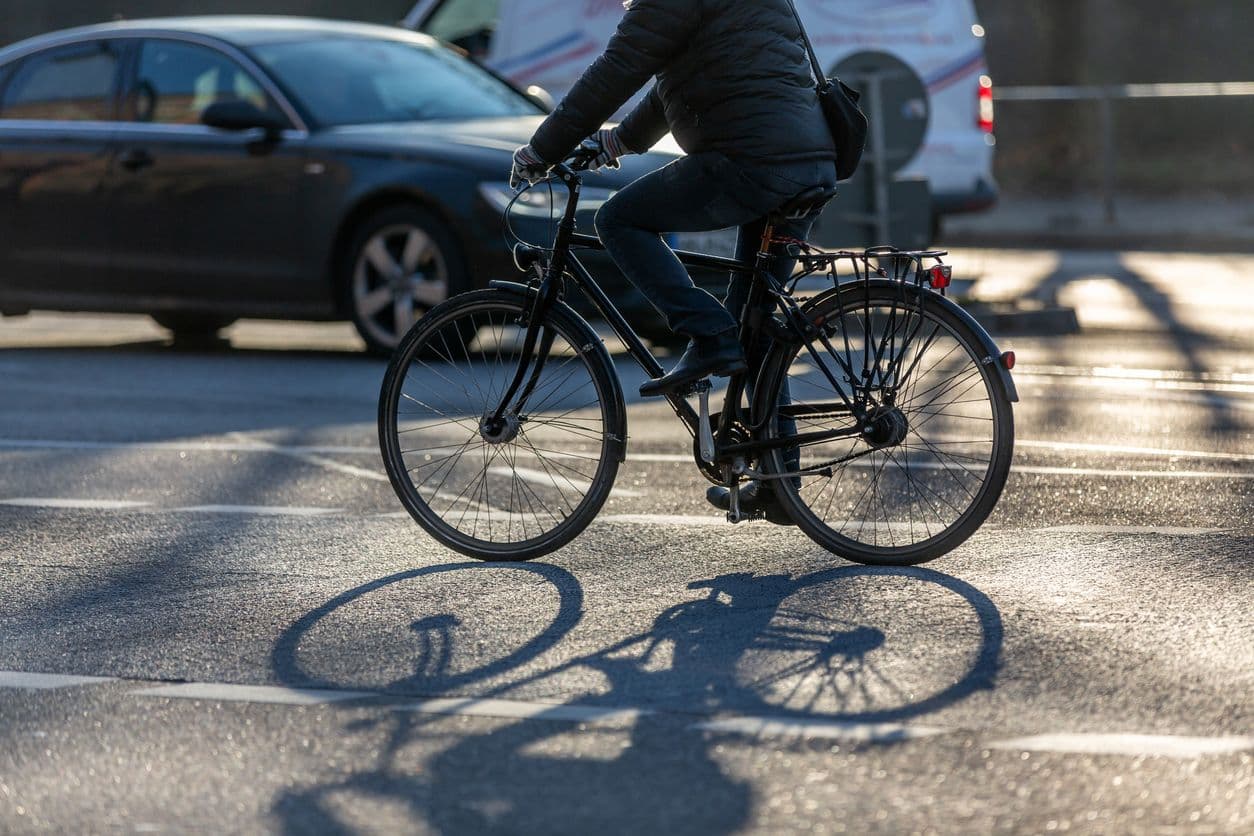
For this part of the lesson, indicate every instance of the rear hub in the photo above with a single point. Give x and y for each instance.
(885, 426)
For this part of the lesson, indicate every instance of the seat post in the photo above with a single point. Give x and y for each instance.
(768, 236)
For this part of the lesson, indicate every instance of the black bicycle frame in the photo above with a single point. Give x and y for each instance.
(563, 263)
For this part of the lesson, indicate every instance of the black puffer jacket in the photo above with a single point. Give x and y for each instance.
(732, 76)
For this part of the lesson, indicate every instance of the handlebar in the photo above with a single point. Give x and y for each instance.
(579, 159)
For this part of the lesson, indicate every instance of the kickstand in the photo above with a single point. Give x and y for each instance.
(733, 496)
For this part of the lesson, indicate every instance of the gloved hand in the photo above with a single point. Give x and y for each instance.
(611, 149)
(527, 166)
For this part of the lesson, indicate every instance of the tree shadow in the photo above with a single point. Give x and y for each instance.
(815, 647)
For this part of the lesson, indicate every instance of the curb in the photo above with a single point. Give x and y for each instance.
(1022, 318)
(1037, 239)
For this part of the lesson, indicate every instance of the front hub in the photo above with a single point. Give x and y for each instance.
(500, 430)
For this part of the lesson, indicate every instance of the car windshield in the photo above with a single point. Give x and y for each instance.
(355, 81)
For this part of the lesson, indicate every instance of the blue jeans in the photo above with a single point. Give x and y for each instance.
(699, 193)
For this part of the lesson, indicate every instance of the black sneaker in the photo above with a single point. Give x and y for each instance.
(757, 499)
(720, 355)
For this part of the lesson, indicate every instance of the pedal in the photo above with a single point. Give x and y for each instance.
(705, 435)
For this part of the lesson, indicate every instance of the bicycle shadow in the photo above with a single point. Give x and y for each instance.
(771, 646)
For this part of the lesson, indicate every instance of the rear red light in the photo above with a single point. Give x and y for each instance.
(939, 276)
(985, 115)
(1008, 359)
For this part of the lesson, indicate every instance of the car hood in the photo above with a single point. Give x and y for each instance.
(485, 144)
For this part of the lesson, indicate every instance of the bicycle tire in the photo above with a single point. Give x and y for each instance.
(447, 374)
(960, 462)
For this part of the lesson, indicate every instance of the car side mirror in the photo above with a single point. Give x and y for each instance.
(240, 115)
(541, 97)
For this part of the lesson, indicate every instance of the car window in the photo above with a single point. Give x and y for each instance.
(175, 82)
(468, 23)
(71, 84)
(355, 81)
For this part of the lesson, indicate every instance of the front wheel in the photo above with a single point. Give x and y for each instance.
(915, 467)
(514, 488)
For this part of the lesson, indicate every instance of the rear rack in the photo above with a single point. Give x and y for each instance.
(921, 268)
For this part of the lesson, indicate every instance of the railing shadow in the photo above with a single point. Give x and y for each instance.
(1186, 341)
(814, 647)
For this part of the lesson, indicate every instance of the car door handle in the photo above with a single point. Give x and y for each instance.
(136, 159)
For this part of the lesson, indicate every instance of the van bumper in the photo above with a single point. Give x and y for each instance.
(981, 197)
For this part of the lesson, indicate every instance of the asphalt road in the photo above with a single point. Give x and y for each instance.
(216, 616)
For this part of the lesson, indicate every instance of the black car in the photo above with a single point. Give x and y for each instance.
(209, 168)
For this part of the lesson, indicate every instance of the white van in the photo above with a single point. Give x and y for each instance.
(548, 43)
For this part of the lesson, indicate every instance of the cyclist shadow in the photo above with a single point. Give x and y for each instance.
(748, 645)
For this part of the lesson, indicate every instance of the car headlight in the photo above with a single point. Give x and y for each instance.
(541, 201)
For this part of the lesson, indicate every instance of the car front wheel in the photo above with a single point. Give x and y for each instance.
(402, 263)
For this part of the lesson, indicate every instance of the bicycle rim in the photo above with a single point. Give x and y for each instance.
(527, 488)
(935, 460)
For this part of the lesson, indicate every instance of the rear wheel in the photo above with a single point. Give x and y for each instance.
(516, 488)
(923, 465)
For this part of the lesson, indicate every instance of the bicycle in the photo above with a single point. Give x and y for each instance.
(882, 413)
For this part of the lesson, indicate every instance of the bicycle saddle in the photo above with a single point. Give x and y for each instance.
(806, 203)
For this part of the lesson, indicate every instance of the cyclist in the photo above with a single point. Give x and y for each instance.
(734, 86)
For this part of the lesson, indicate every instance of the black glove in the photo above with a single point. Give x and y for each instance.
(527, 167)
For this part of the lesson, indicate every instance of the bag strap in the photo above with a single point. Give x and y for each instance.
(820, 80)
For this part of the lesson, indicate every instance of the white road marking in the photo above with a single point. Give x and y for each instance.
(559, 479)
(1128, 745)
(273, 694)
(1123, 449)
(522, 710)
(310, 457)
(1161, 530)
(658, 458)
(1134, 745)
(258, 510)
(714, 518)
(78, 504)
(1114, 473)
(817, 728)
(46, 681)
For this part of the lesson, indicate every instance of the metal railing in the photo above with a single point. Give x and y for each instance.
(1106, 95)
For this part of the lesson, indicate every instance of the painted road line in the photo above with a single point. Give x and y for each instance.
(46, 681)
(713, 518)
(824, 729)
(557, 479)
(315, 459)
(1114, 473)
(257, 510)
(271, 694)
(658, 458)
(1134, 745)
(522, 710)
(1160, 530)
(76, 504)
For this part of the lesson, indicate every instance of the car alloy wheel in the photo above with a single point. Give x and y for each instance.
(400, 274)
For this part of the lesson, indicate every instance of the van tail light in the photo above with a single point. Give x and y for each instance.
(985, 111)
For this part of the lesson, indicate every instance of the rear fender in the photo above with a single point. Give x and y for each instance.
(991, 353)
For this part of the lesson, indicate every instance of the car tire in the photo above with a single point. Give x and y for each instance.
(193, 329)
(402, 261)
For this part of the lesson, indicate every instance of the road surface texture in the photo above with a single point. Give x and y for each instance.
(217, 617)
